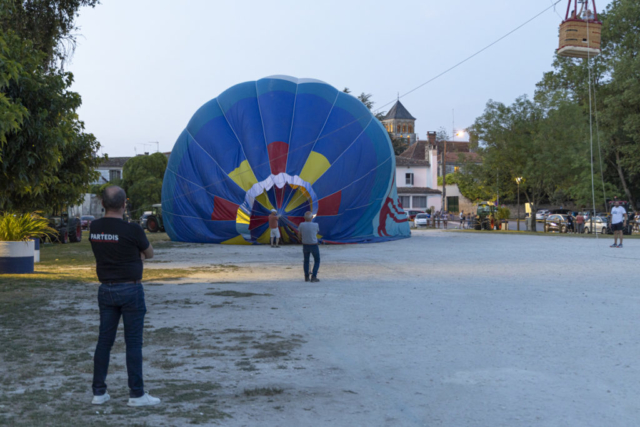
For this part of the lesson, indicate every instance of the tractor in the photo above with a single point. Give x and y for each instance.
(154, 221)
(68, 228)
(485, 216)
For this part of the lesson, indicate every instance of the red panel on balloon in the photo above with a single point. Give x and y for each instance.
(297, 220)
(278, 151)
(330, 205)
(223, 210)
(257, 221)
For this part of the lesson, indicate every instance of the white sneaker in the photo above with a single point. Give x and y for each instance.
(99, 400)
(144, 400)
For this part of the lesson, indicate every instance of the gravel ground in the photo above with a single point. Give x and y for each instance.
(443, 329)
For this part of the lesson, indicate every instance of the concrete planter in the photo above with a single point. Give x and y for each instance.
(16, 257)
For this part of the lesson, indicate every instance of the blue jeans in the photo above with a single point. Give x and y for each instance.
(126, 300)
(308, 250)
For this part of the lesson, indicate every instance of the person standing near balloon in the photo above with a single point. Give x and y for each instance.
(119, 248)
(274, 229)
(308, 234)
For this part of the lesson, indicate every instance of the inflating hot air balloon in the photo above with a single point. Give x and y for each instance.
(293, 145)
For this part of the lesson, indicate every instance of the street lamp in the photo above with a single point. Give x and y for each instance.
(518, 181)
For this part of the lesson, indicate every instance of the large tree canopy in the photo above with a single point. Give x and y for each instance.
(49, 24)
(46, 158)
(143, 177)
(615, 100)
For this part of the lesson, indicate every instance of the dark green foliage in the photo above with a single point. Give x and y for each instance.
(46, 159)
(49, 24)
(143, 181)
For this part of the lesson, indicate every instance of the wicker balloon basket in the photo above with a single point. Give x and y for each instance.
(579, 39)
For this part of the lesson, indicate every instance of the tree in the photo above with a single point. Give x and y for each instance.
(49, 24)
(46, 158)
(541, 143)
(615, 100)
(142, 181)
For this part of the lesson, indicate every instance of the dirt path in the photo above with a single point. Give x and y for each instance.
(446, 329)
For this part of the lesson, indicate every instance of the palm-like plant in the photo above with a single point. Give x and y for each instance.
(22, 227)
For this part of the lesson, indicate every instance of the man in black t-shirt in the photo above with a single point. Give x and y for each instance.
(119, 248)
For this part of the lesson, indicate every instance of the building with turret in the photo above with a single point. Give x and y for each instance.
(400, 123)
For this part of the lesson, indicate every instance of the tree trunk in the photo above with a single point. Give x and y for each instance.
(632, 202)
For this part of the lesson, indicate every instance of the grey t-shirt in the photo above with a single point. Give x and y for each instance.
(309, 232)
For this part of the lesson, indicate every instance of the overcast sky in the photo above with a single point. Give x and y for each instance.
(144, 67)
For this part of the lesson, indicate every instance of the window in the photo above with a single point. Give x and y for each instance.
(408, 177)
(405, 202)
(452, 204)
(114, 174)
(410, 129)
(419, 201)
(404, 128)
(398, 129)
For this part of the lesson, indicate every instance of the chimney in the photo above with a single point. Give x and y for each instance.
(432, 138)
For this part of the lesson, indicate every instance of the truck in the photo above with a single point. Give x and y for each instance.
(154, 221)
(485, 215)
(68, 227)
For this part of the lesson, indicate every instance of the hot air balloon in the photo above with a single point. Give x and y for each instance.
(293, 145)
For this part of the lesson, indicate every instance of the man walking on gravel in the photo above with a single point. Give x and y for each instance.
(308, 234)
(119, 248)
(618, 219)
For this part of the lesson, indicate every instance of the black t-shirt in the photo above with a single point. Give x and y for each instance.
(117, 245)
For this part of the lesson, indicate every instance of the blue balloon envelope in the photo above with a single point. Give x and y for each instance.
(293, 145)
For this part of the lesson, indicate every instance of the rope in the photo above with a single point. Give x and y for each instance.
(378, 109)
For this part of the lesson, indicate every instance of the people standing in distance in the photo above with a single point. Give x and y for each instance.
(119, 248)
(308, 234)
(580, 223)
(274, 229)
(618, 220)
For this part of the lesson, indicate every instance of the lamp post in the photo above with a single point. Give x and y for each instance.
(518, 180)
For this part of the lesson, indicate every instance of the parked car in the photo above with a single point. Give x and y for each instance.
(421, 220)
(599, 225)
(143, 219)
(556, 222)
(542, 214)
(85, 221)
(412, 214)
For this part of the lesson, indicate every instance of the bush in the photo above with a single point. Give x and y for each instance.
(17, 228)
(503, 213)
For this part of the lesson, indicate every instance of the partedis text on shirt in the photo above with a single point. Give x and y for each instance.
(104, 237)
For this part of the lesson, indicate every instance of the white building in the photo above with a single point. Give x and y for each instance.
(111, 169)
(417, 177)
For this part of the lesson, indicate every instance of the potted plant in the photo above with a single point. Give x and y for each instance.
(17, 232)
(503, 215)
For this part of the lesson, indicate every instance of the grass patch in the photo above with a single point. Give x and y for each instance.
(166, 364)
(236, 294)
(263, 391)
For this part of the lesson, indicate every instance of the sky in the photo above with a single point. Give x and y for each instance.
(143, 68)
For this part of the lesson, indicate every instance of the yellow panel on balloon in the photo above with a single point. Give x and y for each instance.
(243, 176)
(299, 197)
(316, 165)
(238, 240)
(263, 199)
(265, 238)
(242, 217)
